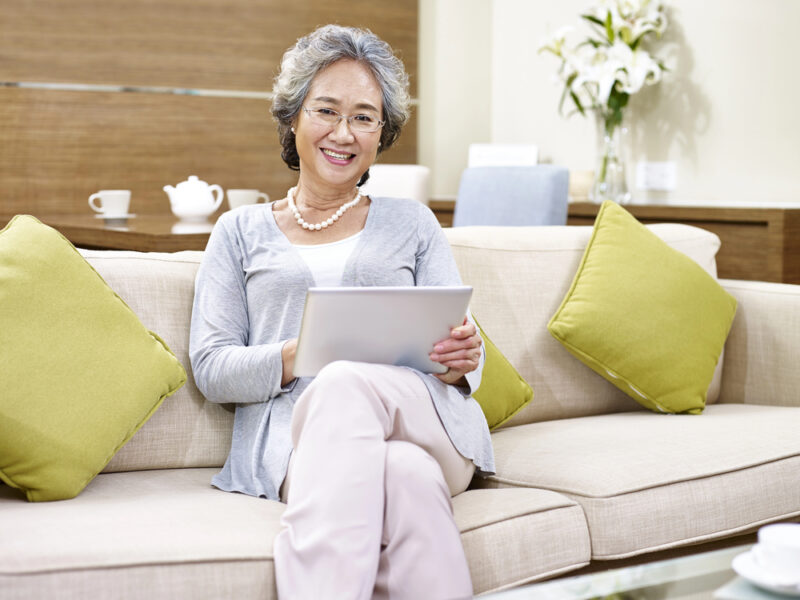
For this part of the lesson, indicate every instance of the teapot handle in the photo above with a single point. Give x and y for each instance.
(218, 200)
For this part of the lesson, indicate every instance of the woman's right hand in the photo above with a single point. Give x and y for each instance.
(288, 353)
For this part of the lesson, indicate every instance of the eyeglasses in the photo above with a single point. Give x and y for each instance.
(361, 123)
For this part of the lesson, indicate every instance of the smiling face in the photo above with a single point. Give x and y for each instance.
(332, 157)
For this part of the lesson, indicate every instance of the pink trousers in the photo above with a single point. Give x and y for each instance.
(368, 491)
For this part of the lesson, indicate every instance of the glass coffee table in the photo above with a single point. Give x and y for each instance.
(707, 575)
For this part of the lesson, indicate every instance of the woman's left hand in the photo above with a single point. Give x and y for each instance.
(461, 352)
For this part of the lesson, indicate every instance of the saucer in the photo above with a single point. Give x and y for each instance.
(114, 219)
(746, 566)
(184, 227)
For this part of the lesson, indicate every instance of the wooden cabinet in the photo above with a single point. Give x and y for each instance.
(757, 243)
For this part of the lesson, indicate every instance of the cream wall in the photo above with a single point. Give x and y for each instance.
(454, 86)
(726, 113)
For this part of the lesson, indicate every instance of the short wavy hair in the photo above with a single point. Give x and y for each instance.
(321, 48)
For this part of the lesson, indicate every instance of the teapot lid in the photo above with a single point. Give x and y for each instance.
(193, 183)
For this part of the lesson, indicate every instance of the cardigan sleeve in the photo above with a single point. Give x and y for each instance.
(227, 369)
(436, 266)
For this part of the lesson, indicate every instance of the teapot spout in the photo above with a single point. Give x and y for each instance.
(169, 189)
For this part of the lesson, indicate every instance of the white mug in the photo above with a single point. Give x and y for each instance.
(778, 552)
(113, 203)
(237, 198)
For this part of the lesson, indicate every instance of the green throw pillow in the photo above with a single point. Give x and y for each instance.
(644, 315)
(503, 392)
(80, 373)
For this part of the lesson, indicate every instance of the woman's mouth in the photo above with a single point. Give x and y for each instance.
(337, 158)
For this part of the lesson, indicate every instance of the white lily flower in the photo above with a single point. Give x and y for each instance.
(601, 67)
(555, 41)
(639, 69)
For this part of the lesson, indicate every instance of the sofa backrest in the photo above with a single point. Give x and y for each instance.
(187, 430)
(520, 276)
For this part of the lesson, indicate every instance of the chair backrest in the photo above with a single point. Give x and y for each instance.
(502, 155)
(533, 195)
(398, 181)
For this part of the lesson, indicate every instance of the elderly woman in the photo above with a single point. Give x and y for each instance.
(366, 456)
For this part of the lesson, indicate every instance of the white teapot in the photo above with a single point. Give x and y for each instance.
(194, 199)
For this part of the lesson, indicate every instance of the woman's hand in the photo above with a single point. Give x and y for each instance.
(288, 353)
(461, 352)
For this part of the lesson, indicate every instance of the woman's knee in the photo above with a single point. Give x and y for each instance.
(342, 390)
(411, 469)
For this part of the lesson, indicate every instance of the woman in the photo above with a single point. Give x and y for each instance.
(366, 456)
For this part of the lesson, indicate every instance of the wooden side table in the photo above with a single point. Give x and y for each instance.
(144, 233)
(757, 243)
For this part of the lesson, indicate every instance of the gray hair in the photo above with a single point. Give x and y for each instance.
(321, 48)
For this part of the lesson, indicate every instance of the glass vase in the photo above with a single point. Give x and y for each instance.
(609, 176)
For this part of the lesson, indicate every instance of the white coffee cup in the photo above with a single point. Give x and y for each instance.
(113, 203)
(778, 552)
(237, 198)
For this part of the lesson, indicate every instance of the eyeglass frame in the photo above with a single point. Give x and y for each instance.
(348, 118)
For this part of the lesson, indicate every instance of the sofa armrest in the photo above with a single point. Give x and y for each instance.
(761, 353)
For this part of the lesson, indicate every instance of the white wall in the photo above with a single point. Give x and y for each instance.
(454, 86)
(726, 114)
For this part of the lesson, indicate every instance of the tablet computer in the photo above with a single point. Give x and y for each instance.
(387, 325)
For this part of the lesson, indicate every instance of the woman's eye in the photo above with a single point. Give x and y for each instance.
(364, 118)
(327, 112)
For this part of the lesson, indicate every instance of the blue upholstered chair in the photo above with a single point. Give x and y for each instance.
(532, 195)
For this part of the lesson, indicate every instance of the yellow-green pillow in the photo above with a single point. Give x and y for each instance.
(502, 392)
(644, 315)
(80, 373)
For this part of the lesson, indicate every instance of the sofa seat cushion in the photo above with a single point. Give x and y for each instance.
(513, 536)
(141, 534)
(649, 482)
(169, 533)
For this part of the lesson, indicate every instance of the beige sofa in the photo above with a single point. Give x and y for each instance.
(584, 475)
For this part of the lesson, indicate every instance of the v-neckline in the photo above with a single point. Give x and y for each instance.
(349, 266)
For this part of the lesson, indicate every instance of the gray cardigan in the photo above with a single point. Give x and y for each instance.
(249, 298)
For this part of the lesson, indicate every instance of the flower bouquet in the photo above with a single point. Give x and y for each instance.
(604, 70)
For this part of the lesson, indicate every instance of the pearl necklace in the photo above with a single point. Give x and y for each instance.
(327, 222)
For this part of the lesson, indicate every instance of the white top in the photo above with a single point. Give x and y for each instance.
(326, 261)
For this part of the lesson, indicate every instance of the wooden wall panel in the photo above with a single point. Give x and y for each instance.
(60, 146)
(214, 44)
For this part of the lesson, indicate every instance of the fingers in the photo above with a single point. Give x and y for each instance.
(453, 349)
(461, 352)
(466, 358)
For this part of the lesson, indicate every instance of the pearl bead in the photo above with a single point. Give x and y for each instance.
(327, 222)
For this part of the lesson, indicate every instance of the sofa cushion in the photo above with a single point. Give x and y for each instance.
(502, 392)
(168, 533)
(519, 536)
(520, 276)
(80, 372)
(644, 316)
(187, 431)
(649, 482)
(761, 352)
(155, 534)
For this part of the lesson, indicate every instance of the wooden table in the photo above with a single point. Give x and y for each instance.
(757, 243)
(145, 232)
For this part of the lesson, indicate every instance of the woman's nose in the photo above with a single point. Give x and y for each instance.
(342, 131)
